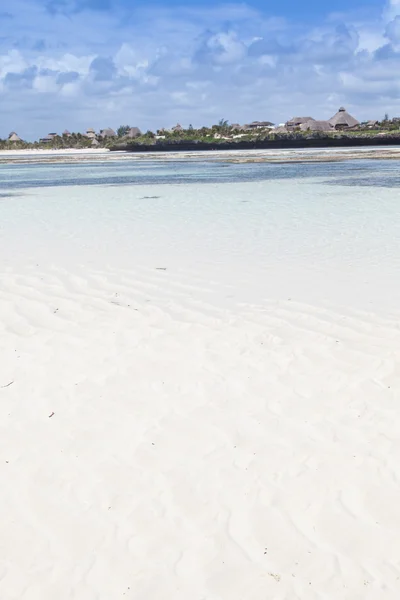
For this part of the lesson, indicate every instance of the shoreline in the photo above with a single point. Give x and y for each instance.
(280, 156)
(201, 381)
(41, 151)
(286, 142)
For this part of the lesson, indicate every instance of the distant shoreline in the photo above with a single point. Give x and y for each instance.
(281, 143)
(42, 151)
(225, 155)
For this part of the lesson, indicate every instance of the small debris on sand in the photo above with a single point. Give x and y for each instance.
(6, 386)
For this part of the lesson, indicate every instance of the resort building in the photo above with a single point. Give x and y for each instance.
(14, 137)
(107, 132)
(48, 138)
(260, 125)
(343, 120)
(237, 127)
(134, 132)
(90, 133)
(323, 126)
(370, 124)
(297, 121)
(280, 129)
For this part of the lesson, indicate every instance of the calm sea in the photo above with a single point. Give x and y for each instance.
(323, 232)
(381, 173)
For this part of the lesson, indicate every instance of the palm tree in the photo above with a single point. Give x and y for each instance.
(123, 130)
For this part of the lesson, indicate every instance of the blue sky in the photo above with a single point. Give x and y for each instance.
(97, 63)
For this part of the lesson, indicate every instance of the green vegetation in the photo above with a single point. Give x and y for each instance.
(58, 142)
(123, 130)
(219, 133)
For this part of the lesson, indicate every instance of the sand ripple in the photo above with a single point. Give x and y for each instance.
(194, 451)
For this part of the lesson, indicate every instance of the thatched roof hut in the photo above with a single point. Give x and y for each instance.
(297, 121)
(280, 129)
(95, 143)
(260, 125)
(243, 128)
(67, 133)
(90, 133)
(177, 127)
(48, 138)
(108, 132)
(343, 120)
(323, 126)
(14, 137)
(134, 132)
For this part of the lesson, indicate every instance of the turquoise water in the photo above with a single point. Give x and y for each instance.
(378, 173)
(326, 231)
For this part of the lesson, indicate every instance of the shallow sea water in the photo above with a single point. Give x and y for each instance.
(326, 232)
(199, 381)
(149, 172)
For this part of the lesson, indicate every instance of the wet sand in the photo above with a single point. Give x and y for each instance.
(233, 156)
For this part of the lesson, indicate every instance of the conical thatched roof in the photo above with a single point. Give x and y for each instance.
(14, 137)
(297, 121)
(177, 127)
(108, 132)
(343, 119)
(134, 132)
(67, 133)
(90, 133)
(95, 143)
(317, 126)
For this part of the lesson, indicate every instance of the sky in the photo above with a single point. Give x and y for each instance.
(75, 64)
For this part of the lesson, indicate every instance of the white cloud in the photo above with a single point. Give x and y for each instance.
(66, 63)
(70, 90)
(45, 84)
(393, 30)
(154, 69)
(226, 48)
(12, 62)
(392, 10)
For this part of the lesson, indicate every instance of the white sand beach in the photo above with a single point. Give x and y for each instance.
(199, 388)
(53, 151)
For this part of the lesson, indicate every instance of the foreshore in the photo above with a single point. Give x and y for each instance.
(199, 380)
(234, 156)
